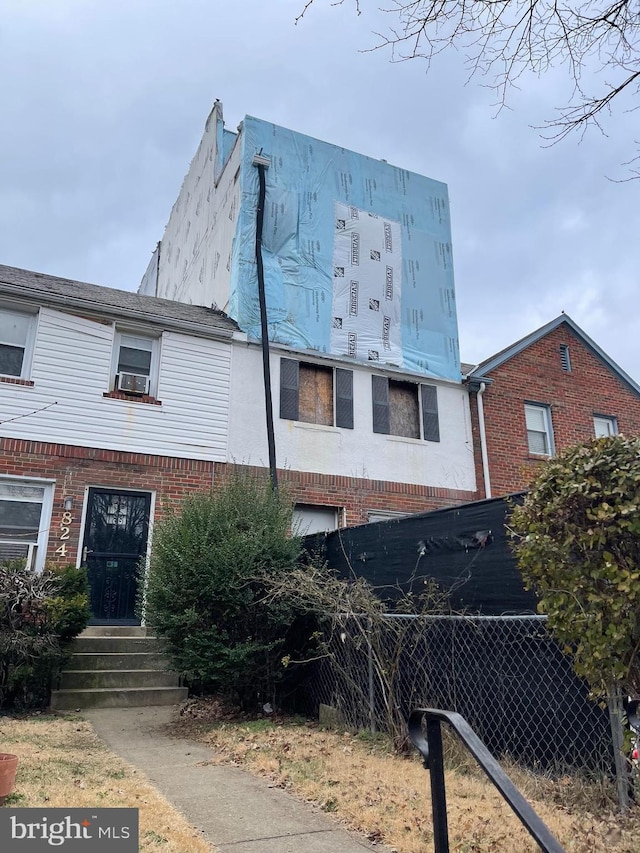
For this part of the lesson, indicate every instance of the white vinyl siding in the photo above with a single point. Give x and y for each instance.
(539, 434)
(72, 364)
(604, 426)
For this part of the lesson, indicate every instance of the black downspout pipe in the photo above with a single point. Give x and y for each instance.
(271, 441)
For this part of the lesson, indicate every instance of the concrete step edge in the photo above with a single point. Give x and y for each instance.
(85, 690)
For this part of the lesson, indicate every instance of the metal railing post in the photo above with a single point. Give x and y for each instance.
(434, 763)
(438, 791)
(372, 696)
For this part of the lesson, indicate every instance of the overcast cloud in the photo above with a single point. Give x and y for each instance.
(103, 105)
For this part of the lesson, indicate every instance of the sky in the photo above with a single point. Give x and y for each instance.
(102, 106)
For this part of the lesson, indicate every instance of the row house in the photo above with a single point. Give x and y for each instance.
(112, 406)
(115, 405)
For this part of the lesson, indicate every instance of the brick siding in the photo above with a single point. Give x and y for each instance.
(74, 468)
(535, 375)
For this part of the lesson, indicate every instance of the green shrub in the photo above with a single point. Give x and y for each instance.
(205, 594)
(577, 540)
(69, 610)
(39, 613)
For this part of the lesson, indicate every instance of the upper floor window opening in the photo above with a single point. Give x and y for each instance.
(539, 430)
(408, 409)
(135, 369)
(17, 333)
(316, 394)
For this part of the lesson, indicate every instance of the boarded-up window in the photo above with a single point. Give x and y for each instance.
(315, 401)
(307, 394)
(396, 409)
(404, 414)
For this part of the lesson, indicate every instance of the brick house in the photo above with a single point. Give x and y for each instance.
(543, 393)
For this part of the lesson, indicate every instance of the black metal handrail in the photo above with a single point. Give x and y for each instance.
(431, 750)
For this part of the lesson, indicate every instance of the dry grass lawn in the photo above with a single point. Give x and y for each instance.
(63, 764)
(386, 797)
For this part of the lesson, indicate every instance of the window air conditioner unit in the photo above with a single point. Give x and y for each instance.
(133, 383)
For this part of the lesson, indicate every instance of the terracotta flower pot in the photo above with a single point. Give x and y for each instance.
(8, 767)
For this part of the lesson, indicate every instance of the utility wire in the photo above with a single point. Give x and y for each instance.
(28, 414)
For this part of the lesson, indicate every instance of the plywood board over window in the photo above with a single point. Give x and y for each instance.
(315, 402)
(407, 409)
(307, 393)
(404, 412)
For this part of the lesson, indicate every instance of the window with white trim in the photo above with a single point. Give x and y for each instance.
(17, 332)
(539, 431)
(604, 426)
(25, 512)
(308, 518)
(408, 409)
(135, 368)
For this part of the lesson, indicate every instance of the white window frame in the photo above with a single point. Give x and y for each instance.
(548, 428)
(610, 422)
(45, 515)
(375, 515)
(297, 521)
(29, 344)
(120, 338)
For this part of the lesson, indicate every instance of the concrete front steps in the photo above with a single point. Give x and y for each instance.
(116, 667)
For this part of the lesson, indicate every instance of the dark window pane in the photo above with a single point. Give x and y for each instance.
(13, 550)
(19, 520)
(118, 523)
(134, 361)
(11, 360)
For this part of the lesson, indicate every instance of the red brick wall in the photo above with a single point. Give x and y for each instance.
(74, 468)
(535, 375)
(358, 496)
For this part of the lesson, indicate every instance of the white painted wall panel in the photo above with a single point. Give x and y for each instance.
(354, 453)
(71, 371)
(195, 252)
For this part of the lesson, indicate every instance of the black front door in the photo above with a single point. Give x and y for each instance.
(115, 541)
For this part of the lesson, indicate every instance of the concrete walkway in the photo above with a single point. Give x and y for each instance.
(238, 812)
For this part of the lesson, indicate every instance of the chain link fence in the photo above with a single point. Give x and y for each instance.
(506, 675)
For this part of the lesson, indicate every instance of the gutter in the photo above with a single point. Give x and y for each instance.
(483, 441)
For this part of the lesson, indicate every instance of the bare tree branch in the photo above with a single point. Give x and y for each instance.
(503, 39)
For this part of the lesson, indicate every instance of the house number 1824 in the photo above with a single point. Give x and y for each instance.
(65, 531)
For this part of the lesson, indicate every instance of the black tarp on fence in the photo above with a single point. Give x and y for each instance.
(463, 548)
